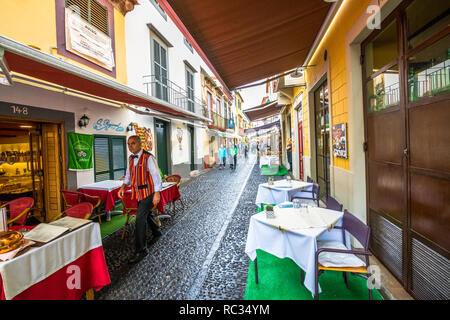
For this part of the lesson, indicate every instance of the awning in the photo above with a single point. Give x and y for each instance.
(263, 111)
(249, 40)
(34, 63)
(264, 126)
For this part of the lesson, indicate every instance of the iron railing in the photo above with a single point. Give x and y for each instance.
(164, 89)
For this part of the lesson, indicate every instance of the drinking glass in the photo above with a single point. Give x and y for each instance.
(304, 207)
(288, 180)
(296, 203)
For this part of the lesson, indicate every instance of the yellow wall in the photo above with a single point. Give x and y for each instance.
(33, 22)
(337, 82)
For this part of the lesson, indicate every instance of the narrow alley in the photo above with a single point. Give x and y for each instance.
(201, 252)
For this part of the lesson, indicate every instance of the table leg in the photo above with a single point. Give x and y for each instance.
(108, 216)
(90, 294)
(158, 222)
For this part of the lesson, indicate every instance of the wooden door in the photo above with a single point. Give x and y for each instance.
(162, 146)
(52, 170)
(407, 96)
(192, 142)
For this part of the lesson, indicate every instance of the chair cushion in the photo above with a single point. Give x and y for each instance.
(334, 259)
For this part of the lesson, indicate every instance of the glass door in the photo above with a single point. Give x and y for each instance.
(35, 165)
(322, 140)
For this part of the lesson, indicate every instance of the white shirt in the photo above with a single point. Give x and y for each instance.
(152, 167)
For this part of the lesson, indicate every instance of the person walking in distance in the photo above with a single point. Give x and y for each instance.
(230, 155)
(289, 153)
(234, 155)
(222, 157)
(143, 175)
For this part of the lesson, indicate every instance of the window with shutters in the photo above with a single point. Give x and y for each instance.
(91, 11)
(190, 89)
(109, 157)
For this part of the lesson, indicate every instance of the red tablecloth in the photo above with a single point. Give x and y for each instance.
(167, 195)
(94, 274)
(108, 198)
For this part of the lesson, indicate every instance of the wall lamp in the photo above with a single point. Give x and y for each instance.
(130, 127)
(84, 121)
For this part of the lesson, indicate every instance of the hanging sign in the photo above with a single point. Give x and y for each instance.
(87, 41)
(80, 151)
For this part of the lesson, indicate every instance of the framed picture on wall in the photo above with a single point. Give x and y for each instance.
(339, 136)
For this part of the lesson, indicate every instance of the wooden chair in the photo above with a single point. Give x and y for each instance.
(95, 201)
(18, 210)
(130, 207)
(177, 179)
(72, 198)
(82, 210)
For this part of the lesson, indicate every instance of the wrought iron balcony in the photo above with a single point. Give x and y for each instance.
(218, 122)
(164, 89)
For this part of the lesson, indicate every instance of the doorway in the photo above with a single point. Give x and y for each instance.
(300, 143)
(322, 136)
(406, 99)
(162, 145)
(31, 165)
(192, 141)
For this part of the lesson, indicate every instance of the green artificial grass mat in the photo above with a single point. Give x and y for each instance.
(117, 222)
(273, 171)
(279, 279)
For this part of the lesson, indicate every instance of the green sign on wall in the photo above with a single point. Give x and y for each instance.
(80, 151)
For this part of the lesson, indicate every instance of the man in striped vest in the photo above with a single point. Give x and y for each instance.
(143, 175)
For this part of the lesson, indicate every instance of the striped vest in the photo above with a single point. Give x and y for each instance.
(141, 180)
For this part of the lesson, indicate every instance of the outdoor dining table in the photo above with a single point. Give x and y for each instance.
(107, 190)
(281, 191)
(294, 234)
(269, 161)
(62, 269)
(169, 193)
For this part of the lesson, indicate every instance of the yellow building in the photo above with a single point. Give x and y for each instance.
(374, 134)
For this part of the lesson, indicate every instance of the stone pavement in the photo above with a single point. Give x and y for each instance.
(201, 252)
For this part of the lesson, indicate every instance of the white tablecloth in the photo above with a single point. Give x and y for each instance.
(299, 245)
(269, 161)
(280, 192)
(38, 263)
(107, 185)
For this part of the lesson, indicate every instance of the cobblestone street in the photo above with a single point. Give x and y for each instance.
(201, 252)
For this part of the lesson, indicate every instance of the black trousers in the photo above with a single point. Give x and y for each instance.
(144, 217)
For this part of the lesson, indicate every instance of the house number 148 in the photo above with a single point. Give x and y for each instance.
(19, 110)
